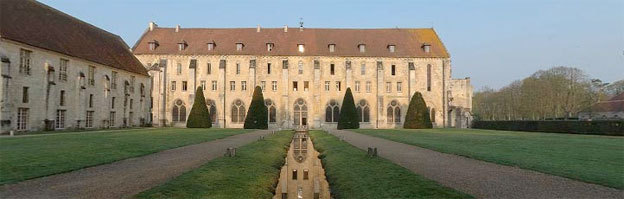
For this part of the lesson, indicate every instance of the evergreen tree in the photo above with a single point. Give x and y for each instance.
(257, 115)
(199, 116)
(417, 114)
(348, 114)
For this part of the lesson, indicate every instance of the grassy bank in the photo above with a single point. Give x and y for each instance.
(353, 175)
(253, 173)
(589, 158)
(29, 157)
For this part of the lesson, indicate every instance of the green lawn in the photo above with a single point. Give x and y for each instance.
(29, 157)
(253, 173)
(351, 174)
(589, 158)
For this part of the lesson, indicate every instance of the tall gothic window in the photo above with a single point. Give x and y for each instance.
(428, 77)
(212, 110)
(363, 111)
(394, 112)
(300, 112)
(238, 111)
(332, 111)
(178, 113)
(272, 111)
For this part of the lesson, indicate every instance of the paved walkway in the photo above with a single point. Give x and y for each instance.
(127, 177)
(478, 178)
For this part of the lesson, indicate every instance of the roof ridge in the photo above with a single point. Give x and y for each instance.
(279, 28)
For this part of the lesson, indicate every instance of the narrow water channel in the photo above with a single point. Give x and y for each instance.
(302, 176)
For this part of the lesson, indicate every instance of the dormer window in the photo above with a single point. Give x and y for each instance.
(153, 45)
(270, 46)
(332, 48)
(301, 48)
(182, 45)
(211, 46)
(426, 47)
(362, 48)
(391, 48)
(239, 46)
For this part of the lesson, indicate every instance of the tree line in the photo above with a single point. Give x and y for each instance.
(556, 93)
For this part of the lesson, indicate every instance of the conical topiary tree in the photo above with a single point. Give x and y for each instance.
(417, 114)
(348, 115)
(199, 116)
(257, 117)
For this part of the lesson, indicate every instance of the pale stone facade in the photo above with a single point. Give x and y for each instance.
(64, 94)
(460, 103)
(381, 86)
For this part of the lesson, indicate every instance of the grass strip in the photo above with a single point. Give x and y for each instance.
(253, 173)
(351, 174)
(28, 157)
(591, 158)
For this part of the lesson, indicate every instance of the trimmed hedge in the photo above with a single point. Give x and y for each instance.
(565, 126)
(257, 114)
(348, 114)
(199, 116)
(417, 116)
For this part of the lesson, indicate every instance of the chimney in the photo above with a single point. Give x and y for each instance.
(178, 28)
(258, 28)
(285, 28)
(152, 25)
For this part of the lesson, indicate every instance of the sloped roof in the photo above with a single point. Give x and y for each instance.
(408, 42)
(35, 24)
(615, 104)
(617, 97)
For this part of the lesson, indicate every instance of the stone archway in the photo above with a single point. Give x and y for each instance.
(300, 109)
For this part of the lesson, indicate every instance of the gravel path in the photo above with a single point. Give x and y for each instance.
(478, 178)
(127, 177)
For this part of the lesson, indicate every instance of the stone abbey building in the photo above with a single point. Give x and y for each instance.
(303, 72)
(59, 72)
(62, 73)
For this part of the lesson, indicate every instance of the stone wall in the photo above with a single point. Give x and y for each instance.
(44, 90)
(315, 97)
(460, 103)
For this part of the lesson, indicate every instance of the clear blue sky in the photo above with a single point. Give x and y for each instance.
(493, 42)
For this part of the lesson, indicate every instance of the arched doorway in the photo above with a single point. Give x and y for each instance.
(301, 113)
(212, 110)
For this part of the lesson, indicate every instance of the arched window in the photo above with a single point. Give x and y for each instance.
(433, 114)
(300, 67)
(238, 111)
(178, 113)
(332, 112)
(394, 112)
(300, 112)
(212, 110)
(272, 111)
(363, 110)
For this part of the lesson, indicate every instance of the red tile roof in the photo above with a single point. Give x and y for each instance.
(617, 97)
(615, 104)
(408, 42)
(35, 24)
